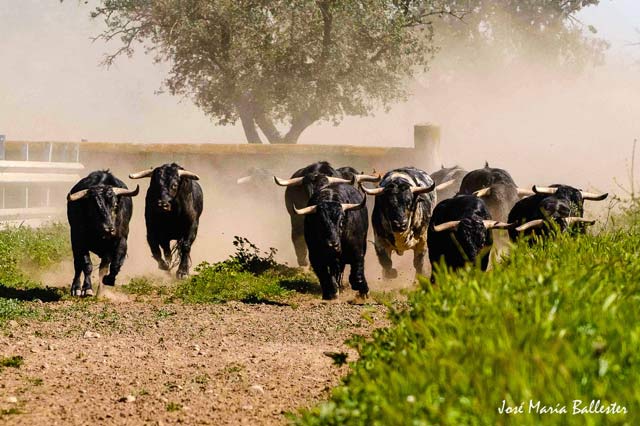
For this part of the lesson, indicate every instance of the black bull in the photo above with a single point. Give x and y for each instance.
(558, 206)
(302, 185)
(173, 206)
(99, 209)
(335, 230)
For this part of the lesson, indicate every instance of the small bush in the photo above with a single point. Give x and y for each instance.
(249, 275)
(11, 309)
(11, 361)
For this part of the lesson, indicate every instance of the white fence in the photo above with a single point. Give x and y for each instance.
(34, 179)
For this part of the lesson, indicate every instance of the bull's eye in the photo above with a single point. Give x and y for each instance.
(174, 185)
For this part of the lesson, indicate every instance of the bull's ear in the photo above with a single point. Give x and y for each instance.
(77, 195)
(124, 192)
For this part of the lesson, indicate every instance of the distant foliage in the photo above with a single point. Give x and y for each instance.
(553, 323)
(24, 248)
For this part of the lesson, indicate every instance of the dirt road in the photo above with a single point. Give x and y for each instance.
(143, 361)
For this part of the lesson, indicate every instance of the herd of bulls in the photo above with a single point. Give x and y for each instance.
(448, 215)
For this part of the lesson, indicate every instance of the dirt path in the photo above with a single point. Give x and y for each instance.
(147, 362)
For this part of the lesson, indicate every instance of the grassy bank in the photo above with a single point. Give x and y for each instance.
(553, 324)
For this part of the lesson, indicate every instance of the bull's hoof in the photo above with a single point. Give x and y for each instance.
(182, 275)
(332, 296)
(75, 292)
(164, 266)
(303, 262)
(87, 293)
(390, 273)
(360, 299)
(109, 280)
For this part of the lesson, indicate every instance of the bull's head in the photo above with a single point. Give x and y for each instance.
(330, 220)
(574, 197)
(398, 201)
(102, 205)
(165, 184)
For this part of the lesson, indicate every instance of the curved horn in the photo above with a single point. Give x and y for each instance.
(142, 174)
(417, 190)
(373, 191)
(77, 195)
(573, 219)
(483, 192)
(445, 185)
(306, 210)
(446, 225)
(245, 179)
(288, 182)
(494, 224)
(523, 192)
(368, 178)
(358, 206)
(544, 189)
(187, 174)
(593, 196)
(531, 224)
(124, 192)
(332, 179)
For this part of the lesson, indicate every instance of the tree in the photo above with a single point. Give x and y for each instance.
(287, 62)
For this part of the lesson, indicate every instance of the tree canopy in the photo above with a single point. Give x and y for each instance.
(294, 62)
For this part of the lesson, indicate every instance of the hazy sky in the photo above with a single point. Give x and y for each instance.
(51, 86)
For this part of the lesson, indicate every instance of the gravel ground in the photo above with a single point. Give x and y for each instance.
(131, 360)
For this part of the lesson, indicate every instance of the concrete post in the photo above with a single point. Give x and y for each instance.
(426, 140)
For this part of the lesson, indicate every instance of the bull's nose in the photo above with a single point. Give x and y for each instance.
(400, 225)
(164, 205)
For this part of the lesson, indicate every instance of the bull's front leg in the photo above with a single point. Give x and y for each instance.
(87, 269)
(78, 266)
(357, 279)
(383, 251)
(419, 253)
(297, 237)
(185, 251)
(154, 245)
(118, 259)
(328, 282)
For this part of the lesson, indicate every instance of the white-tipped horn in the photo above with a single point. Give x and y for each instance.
(245, 179)
(124, 192)
(523, 192)
(187, 174)
(494, 224)
(288, 182)
(483, 192)
(445, 185)
(306, 210)
(593, 196)
(574, 219)
(544, 189)
(141, 174)
(531, 224)
(332, 180)
(417, 190)
(446, 226)
(357, 206)
(373, 191)
(368, 178)
(77, 195)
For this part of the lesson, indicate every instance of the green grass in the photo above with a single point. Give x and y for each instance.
(11, 361)
(247, 276)
(143, 286)
(553, 323)
(23, 249)
(12, 309)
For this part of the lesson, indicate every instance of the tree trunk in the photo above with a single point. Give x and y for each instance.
(247, 119)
